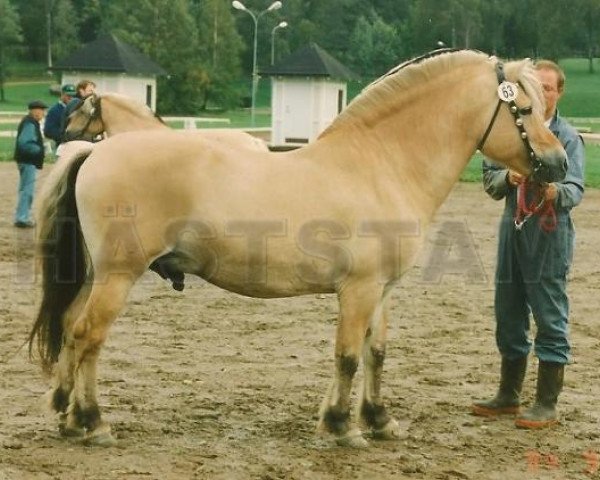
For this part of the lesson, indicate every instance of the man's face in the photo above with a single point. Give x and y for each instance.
(87, 91)
(38, 113)
(549, 81)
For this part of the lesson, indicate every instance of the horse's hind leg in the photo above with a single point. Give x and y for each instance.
(65, 368)
(357, 304)
(89, 331)
(371, 408)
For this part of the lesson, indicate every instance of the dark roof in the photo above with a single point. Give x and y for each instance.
(311, 60)
(109, 54)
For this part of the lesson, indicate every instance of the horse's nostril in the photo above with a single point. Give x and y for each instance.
(565, 165)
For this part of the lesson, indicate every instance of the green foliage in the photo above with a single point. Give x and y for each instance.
(10, 33)
(374, 46)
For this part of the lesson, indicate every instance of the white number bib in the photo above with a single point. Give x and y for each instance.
(507, 91)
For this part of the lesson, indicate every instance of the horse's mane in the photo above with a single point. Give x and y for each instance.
(133, 106)
(389, 90)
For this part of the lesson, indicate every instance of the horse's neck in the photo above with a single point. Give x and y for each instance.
(119, 119)
(420, 150)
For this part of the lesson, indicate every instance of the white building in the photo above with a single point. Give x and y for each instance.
(113, 66)
(308, 92)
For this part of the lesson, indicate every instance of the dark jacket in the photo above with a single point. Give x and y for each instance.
(29, 147)
(54, 122)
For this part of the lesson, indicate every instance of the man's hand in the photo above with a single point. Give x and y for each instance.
(550, 192)
(514, 179)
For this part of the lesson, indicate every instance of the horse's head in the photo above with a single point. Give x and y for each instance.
(85, 122)
(514, 132)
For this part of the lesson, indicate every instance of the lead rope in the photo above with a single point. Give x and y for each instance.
(538, 206)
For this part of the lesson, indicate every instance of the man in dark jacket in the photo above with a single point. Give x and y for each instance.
(29, 155)
(54, 118)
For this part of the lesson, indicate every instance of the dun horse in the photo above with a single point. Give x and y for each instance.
(346, 214)
(114, 113)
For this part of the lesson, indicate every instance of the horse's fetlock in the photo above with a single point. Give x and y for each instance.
(336, 420)
(88, 417)
(374, 415)
(60, 400)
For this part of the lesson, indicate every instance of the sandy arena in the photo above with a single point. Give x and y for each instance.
(206, 384)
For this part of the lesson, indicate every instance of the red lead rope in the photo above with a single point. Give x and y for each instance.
(537, 206)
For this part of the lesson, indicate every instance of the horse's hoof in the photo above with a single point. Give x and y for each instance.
(352, 439)
(100, 437)
(69, 431)
(391, 431)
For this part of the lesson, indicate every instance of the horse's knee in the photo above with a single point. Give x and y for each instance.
(347, 365)
(377, 356)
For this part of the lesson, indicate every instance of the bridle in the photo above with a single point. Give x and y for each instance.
(95, 114)
(507, 93)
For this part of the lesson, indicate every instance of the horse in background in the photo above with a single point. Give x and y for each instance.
(114, 113)
(346, 214)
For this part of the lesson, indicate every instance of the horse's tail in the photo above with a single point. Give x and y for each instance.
(62, 255)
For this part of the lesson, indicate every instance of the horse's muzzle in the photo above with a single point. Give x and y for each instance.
(553, 168)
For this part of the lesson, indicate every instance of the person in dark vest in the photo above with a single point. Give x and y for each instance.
(29, 155)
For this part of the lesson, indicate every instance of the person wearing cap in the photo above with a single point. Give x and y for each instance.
(84, 89)
(29, 155)
(54, 117)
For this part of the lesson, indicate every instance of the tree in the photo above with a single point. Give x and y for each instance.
(10, 34)
(588, 18)
(219, 47)
(166, 32)
(374, 46)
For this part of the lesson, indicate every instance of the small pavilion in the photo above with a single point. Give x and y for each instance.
(309, 89)
(114, 66)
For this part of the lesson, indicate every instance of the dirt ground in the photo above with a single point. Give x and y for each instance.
(206, 384)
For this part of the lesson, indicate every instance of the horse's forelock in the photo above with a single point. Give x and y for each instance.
(523, 71)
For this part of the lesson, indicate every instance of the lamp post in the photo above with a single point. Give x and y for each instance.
(240, 6)
(281, 25)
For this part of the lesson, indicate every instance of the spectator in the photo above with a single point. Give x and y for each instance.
(29, 155)
(54, 118)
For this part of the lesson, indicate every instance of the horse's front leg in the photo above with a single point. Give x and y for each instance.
(371, 409)
(357, 304)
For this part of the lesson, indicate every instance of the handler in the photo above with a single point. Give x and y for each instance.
(535, 251)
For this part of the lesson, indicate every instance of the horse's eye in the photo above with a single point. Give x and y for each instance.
(526, 110)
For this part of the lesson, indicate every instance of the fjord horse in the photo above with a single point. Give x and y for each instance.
(113, 113)
(346, 214)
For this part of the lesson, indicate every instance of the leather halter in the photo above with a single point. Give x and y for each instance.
(516, 112)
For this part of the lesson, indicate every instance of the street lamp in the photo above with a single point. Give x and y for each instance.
(240, 6)
(281, 25)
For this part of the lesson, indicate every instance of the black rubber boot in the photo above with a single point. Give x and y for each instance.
(549, 385)
(506, 401)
